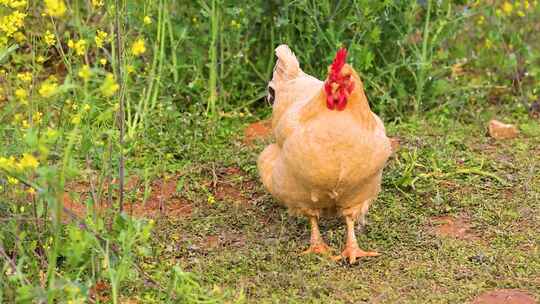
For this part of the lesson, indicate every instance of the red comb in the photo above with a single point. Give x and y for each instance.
(339, 61)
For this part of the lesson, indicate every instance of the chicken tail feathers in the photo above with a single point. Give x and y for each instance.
(287, 66)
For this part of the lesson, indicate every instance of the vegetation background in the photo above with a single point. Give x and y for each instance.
(126, 176)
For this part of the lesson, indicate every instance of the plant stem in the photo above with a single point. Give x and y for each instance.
(422, 69)
(212, 82)
(118, 68)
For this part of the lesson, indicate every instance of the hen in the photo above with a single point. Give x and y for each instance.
(330, 148)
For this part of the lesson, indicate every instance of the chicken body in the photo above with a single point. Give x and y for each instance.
(324, 161)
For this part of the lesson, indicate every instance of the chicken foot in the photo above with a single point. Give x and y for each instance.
(352, 251)
(317, 246)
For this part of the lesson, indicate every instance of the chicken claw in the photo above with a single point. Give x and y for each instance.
(352, 251)
(318, 246)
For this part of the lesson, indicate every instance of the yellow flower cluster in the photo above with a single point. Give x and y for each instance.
(22, 95)
(55, 8)
(48, 88)
(10, 164)
(100, 38)
(138, 47)
(25, 76)
(109, 86)
(16, 4)
(11, 23)
(97, 3)
(49, 38)
(520, 7)
(79, 46)
(85, 73)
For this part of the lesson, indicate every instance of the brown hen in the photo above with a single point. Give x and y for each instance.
(330, 148)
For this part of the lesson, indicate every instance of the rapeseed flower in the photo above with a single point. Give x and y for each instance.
(109, 86)
(48, 89)
(85, 73)
(100, 38)
(55, 8)
(138, 47)
(49, 38)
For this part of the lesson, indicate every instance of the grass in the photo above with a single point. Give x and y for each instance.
(247, 246)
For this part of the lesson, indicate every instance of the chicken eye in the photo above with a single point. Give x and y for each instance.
(271, 95)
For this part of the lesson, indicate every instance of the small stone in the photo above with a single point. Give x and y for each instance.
(499, 130)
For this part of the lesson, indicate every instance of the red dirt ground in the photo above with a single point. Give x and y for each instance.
(504, 296)
(257, 131)
(163, 199)
(454, 227)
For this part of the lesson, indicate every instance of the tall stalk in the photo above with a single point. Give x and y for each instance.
(211, 109)
(118, 68)
(424, 62)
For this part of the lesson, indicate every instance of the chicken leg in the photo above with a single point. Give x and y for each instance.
(352, 251)
(317, 245)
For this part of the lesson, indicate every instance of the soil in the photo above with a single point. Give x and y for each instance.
(163, 199)
(504, 296)
(258, 131)
(455, 227)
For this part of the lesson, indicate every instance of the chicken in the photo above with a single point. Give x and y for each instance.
(329, 149)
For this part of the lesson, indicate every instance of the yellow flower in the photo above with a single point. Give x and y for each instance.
(79, 46)
(526, 4)
(138, 47)
(31, 191)
(14, 3)
(55, 8)
(48, 89)
(85, 73)
(101, 37)
(130, 69)
(507, 7)
(25, 76)
(28, 161)
(36, 117)
(97, 3)
(11, 23)
(147, 20)
(40, 59)
(521, 13)
(12, 180)
(7, 164)
(22, 95)
(86, 107)
(49, 38)
(19, 37)
(109, 86)
(103, 61)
